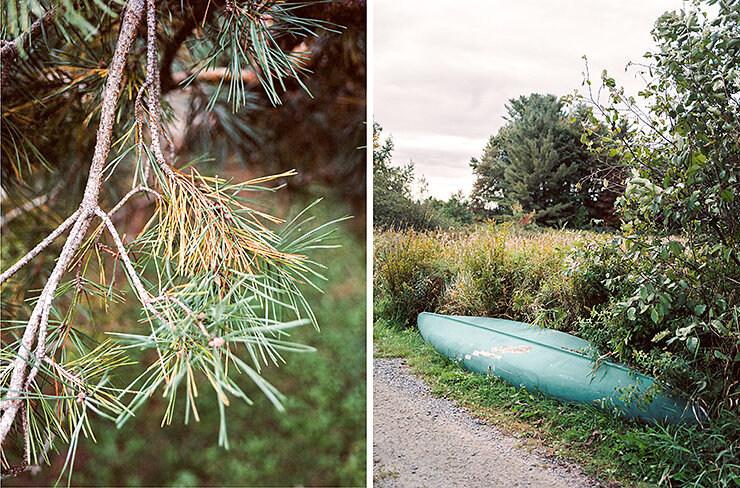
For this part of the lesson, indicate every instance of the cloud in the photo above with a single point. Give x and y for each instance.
(443, 71)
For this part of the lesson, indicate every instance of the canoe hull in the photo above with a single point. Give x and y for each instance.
(552, 362)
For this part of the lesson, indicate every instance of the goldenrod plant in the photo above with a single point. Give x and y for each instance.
(218, 278)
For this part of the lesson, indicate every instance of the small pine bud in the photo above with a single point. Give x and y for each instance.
(217, 342)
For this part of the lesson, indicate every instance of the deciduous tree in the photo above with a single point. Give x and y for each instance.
(681, 207)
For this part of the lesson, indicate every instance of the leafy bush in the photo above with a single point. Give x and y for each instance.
(679, 294)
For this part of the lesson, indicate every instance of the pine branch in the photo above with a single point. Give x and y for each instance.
(144, 296)
(10, 50)
(170, 51)
(36, 202)
(40, 247)
(214, 75)
(37, 324)
(154, 91)
(228, 253)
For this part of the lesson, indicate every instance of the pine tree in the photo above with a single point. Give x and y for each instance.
(537, 161)
(86, 139)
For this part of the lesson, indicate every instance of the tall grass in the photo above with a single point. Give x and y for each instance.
(495, 271)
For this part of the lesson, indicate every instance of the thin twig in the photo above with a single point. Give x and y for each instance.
(49, 198)
(145, 297)
(64, 372)
(10, 50)
(119, 205)
(128, 195)
(40, 246)
(154, 90)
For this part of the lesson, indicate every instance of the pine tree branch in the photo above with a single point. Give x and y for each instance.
(145, 297)
(39, 317)
(40, 246)
(36, 202)
(170, 51)
(154, 91)
(10, 50)
(199, 11)
(214, 75)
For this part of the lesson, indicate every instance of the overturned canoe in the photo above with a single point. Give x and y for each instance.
(554, 363)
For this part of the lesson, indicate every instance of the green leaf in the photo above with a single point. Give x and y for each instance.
(661, 335)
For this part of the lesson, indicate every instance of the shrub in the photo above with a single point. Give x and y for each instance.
(492, 270)
(680, 207)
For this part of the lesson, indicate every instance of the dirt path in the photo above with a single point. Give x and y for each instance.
(420, 440)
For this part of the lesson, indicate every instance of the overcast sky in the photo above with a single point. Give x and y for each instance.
(443, 70)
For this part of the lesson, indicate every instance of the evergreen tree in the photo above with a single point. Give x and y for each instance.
(86, 140)
(537, 160)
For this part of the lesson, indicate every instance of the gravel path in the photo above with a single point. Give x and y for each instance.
(420, 440)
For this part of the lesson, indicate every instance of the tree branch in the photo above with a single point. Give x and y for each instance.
(214, 75)
(154, 90)
(38, 320)
(40, 246)
(144, 296)
(170, 50)
(10, 50)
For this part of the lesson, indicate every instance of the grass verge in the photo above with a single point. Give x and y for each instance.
(618, 452)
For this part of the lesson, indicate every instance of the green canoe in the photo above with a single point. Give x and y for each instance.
(554, 363)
